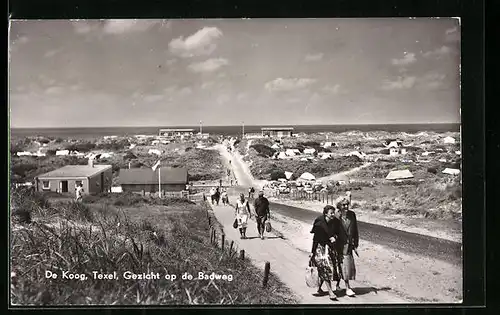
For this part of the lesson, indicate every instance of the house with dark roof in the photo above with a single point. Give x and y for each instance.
(277, 131)
(145, 179)
(94, 178)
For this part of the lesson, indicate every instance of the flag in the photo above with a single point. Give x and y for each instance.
(156, 165)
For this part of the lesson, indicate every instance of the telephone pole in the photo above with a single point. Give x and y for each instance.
(243, 129)
(201, 127)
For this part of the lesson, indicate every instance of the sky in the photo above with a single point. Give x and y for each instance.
(109, 73)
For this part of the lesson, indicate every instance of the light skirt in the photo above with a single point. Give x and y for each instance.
(242, 220)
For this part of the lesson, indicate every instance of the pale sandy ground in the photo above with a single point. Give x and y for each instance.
(415, 278)
(400, 222)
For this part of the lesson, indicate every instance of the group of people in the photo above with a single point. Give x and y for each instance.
(216, 194)
(243, 213)
(336, 238)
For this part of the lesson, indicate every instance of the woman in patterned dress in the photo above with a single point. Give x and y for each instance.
(324, 253)
(242, 214)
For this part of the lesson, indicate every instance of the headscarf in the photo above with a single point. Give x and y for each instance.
(341, 201)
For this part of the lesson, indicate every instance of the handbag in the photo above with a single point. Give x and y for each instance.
(235, 223)
(268, 226)
(312, 276)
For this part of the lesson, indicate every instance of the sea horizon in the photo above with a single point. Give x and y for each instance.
(229, 130)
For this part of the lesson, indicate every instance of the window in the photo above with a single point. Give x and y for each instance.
(78, 182)
(45, 184)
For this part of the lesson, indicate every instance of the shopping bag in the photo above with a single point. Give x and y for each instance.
(312, 277)
(235, 223)
(268, 226)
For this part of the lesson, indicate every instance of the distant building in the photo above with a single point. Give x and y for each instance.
(174, 133)
(94, 178)
(139, 179)
(277, 131)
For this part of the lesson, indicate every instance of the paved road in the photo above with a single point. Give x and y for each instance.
(289, 263)
(407, 242)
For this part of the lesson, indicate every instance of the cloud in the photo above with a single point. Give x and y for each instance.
(209, 65)
(335, 89)
(171, 62)
(207, 85)
(432, 80)
(185, 91)
(22, 40)
(54, 90)
(314, 57)
(82, 27)
(451, 31)
(200, 43)
(153, 98)
(241, 96)
(409, 58)
(223, 99)
(438, 53)
(126, 26)
(399, 84)
(51, 53)
(289, 84)
(75, 87)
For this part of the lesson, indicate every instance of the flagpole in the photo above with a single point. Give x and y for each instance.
(159, 181)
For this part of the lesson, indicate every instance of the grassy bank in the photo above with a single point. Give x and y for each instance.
(125, 233)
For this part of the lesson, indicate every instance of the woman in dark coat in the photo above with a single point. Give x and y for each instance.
(347, 243)
(324, 253)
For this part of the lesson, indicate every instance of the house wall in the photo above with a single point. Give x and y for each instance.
(96, 184)
(55, 185)
(152, 187)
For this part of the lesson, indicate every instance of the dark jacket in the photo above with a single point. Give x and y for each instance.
(261, 206)
(349, 234)
(323, 231)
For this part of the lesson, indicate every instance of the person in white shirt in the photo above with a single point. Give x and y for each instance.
(79, 192)
(242, 214)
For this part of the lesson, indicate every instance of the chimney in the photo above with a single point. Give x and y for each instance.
(91, 162)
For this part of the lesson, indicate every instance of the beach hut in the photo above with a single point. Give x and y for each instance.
(62, 152)
(154, 151)
(451, 171)
(449, 140)
(401, 174)
(275, 146)
(288, 175)
(282, 155)
(145, 179)
(309, 151)
(290, 152)
(307, 176)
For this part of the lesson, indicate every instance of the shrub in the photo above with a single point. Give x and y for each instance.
(277, 174)
(432, 170)
(263, 150)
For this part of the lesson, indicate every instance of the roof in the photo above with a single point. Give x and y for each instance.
(402, 174)
(178, 130)
(146, 176)
(276, 128)
(76, 171)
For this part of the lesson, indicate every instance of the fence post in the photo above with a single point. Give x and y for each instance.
(242, 254)
(222, 241)
(231, 247)
(267, 268)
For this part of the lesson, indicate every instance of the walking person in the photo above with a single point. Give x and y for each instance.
(79, 192)
(348, 243)
(225, 199)
(242, 212)
(251, 191)
(262, 214)
(324, 251)
(212, 195)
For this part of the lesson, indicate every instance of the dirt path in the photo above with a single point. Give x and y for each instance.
(288, 263)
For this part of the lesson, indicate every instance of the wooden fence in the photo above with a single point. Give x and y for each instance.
(324, 197)
(218, 240)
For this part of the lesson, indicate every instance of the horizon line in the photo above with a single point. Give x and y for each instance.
(238, 125)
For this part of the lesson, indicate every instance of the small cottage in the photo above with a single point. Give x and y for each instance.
(147, 180)
(94, 178)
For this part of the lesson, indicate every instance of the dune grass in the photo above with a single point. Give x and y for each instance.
(139, 237)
